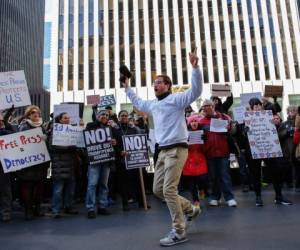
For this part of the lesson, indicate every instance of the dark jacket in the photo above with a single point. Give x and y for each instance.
(286, 132)
(275, 107)
(64, 159)
(3, 131)
(36, 172)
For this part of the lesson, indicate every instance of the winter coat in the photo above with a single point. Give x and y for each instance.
(3, 131)
(216, 144)
(196, 162)
(286, 132)
(64, 160)
(36, 172)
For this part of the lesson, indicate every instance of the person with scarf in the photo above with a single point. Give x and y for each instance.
(32, 178)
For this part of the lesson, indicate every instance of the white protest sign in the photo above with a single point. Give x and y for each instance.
(23, 149)
(71, 109)
(239, 114)
(13, 89)
(262, 135)
(107, 100)
(67, 135)
(137, 151)
(218, 125)
(245, 98)
(195, 137)
(98, 145)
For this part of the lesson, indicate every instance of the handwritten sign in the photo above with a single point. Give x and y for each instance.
(195, 137)
(273, 90)
(71, 109)
(137, 151)
(22, 150)
(67, 135)
(262, 135)
(239, 114)
(107, 100)
(220, 90)
(98, 146)
(93, 99)
(245, 98)
(13, 89)
(218, 125)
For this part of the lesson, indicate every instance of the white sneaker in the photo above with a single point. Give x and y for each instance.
(173, 238)
(213, 203)
(232, 203)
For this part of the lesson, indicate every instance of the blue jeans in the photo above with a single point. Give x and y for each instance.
(97, 175)
(63, 192)
(220, 178)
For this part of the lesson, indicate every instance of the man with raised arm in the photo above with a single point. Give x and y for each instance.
(171, 134)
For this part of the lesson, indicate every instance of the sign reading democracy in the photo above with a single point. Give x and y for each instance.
(13, 89)
(137, 151)
(107, 100)
(98, 145)
(71, 109)
(262, 135)
(22, 150)
(67, 135)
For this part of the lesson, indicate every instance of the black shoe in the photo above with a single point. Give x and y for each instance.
(282, 201)
(56, 215)
(259, 202)
(103, 211)
(38, 211)
(70, 211)
(91, 215)
(245, 189)
(6, 217)
(29, 214)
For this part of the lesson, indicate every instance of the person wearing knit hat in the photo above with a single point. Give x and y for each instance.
(171, 134)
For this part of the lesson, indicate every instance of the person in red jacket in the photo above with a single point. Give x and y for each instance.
(217, 152)
(195, 168)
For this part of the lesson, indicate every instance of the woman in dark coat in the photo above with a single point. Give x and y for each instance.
(63, 172)
(32, 178)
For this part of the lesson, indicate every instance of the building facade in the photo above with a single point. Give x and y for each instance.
(21, 46)
(244, 43)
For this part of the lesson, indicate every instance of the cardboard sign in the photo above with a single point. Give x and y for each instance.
(98, 145)
(137, 151)
(13, 89)
(220, 90)
(273, 90)
(23, 149)
(245, 98)
(67, 135)
(179, 89)
(107, 100)
(239, 114)
(71, 109)
(195, 137)
(218, 125)
(93, 99)
(262, 135)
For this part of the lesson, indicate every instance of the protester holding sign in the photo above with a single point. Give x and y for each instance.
(217, 151)
(63, 172)
(195, 168)
(128, 180)
(98, 173)
(171, 134)
(255, 163)
(5, 186)
(222, 107)
(32, 178)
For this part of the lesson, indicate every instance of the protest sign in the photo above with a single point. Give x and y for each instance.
(98, 145)
(273, 90)
(23, 149)
(137, 151)
(218, 125)
(195, 137)
(71, 109)
(239, 114)
(262, 135)
(13, 89)
(107, 100)
(220, 90)
(93, 99)
(246, 97)
(67, 135)
(180, 89)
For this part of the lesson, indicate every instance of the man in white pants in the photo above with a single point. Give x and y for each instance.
(171, 135)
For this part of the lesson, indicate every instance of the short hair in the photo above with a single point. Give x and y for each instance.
(167, 80)
(292, 107)
(108, 108)
(122, 111)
